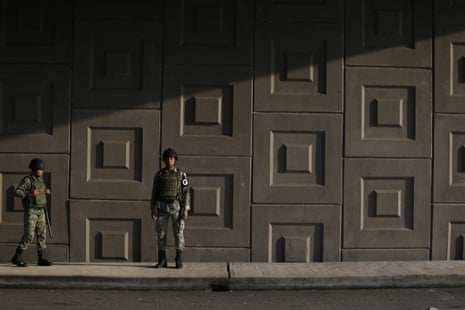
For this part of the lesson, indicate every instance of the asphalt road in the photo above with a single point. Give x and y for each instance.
(444, 298)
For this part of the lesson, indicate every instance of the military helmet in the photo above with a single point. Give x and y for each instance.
(37, 164)
(169, 152)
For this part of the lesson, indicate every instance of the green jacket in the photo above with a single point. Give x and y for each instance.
(176, 188)
(24, 191)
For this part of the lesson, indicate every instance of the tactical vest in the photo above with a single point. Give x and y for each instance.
(41, 199)
(170, 183)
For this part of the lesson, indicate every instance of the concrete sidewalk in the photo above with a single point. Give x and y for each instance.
(236, 276)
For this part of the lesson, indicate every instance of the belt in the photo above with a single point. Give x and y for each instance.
(168, 200)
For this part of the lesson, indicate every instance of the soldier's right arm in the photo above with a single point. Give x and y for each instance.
(155, 197)
(24, 188)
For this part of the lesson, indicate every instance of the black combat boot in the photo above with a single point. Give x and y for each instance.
(178, 259)
(42, 261)
(17, 260)
(161, 260)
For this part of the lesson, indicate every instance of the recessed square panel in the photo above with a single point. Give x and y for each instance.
(449, 154)
(35, 108)
(297, 158)
(450, 69)
(301, 10)
(448, 232)
(209, 32)
(388, 112)
(211, 199)
(209, 109)
(110, 231)
(114, 153)
(298, 68)
(284, 233)
(392, 24)
(386, 203)
(389, 33)
(13, 168)
(36, 31)
(120, 64)
(220, 213)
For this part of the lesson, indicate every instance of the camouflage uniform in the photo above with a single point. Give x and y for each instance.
(170, 196)
(33, 194)
(34, 215)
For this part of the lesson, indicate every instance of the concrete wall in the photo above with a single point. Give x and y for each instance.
(310, 130)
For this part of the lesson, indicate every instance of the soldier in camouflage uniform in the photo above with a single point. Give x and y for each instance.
(170, 200)
(33, 193)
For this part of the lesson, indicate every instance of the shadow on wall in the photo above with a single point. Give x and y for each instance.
(197, 62)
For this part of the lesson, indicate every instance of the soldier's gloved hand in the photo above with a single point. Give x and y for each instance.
(48, 191)
(154, 215)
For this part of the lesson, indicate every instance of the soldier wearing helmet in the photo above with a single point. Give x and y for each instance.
(33, 193)
(170, 200)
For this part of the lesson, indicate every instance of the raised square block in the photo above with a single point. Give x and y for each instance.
(284, 233)
(448, 232)
(209, 109)
(114, 153)
(388, 112)
(386, 203)
(209, 32)
(297, 158)
(36, 31)
(297, 249)
(119, 64)
(110, 231)
(35, 108)
(113, 245)
(207, 200)
(298, 68)
(449, 155)
(393, 33)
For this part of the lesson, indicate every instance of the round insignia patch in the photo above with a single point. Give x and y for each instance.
(184, 182)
